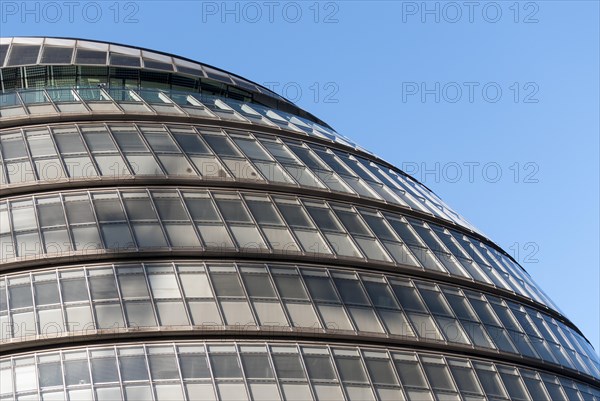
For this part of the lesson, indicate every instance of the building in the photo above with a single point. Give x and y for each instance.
(171, 231)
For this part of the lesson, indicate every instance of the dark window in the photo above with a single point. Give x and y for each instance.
(23, 54)
(104, 370)
(90, 57)
(57, 55)
(194, 367)
(157, 65)
(133, 368)
(127, 61)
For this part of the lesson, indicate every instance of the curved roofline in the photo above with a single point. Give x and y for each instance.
(264, 91)
(161, 53)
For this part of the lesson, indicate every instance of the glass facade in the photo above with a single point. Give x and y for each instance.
(275, 258)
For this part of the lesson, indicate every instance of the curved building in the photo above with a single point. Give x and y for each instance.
(172, 231)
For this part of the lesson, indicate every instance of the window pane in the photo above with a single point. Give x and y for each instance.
(351, 291)
(51, 215)
(257, 366)
(46, 293)
(76, 372)
(50, 374)
(163, 367)
(438, 374)
(202, 210)
(294, 215)
(290, 287)
(74, 290)
(233, 210)
(320, 289)
(133, 367)
(409, 371)
(194, 366)
(288, 367)
(225, 366)
(380, 295)
(319, 367)
(351, 369)
(489, 380)
(20, 296)
(103, 287)
(381, 371)
(133, 286)
(264, 212)
(408, 297)
(104, 370)
(227, 285)
(258, 286)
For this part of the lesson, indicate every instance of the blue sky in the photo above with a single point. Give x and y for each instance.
(494, 105)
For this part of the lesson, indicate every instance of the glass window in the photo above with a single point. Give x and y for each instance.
(51, 215)
(56, 55)
(460, 305)
(290, 287)
(534, 385)
(464, 376)
(76, 372)
(192, 144)
(227, 285)
(194, 366)
(98, 140)
(257, 366)
(408, 297)
(513, 383)
(133, 285)
(484, 311)
(352, 222)
(79, 212)
(351, 369)
(46, 292)
(139, 208)
(437, 373)
(164, 286)
(319, 367)
(139, 314)
(109, 316)
(23, 55)
(225, 366)
(160, 141)
(104, 370)
(20, 296)
(163, 367)
(294, 215)
(233, 210)
(103, 287)
(170, 208)
(109, 208)
(320, 288)
(409, 370)
(74, 289)
(351, 291)
(90, 57)
(434, 300)
(202, 209)
(381, 371)
(258, 285)
(380, 294)
(324, 218)
(49, 374)
(288, 366)
(133, 367)
(489, 380)
(264, 212)
(221, 145)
